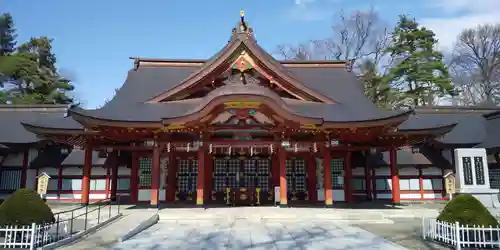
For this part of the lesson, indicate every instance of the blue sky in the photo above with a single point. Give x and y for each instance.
(93, 39)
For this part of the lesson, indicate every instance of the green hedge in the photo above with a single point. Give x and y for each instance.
(23, 208)
(467, 210)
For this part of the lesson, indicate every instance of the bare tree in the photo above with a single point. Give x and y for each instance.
(357, 35)
(475, 65)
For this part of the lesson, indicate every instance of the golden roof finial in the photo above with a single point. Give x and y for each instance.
(242, 13)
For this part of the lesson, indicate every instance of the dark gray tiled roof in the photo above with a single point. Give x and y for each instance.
(492, 140)
(147, 82)
(76, 158)
(11, 116)
(404, 157)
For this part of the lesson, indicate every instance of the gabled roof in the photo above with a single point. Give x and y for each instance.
(239, 43)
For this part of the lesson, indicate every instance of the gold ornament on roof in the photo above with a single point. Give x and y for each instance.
(242, 13)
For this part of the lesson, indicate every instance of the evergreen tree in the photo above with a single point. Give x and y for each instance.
(28, 74)
(7, 34)
(420, 72)
(376, 86)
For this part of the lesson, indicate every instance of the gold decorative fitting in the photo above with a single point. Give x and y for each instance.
(176, 126)
(242, 105)
(308, 126)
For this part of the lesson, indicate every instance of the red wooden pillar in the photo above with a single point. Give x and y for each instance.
(155, 173)
(200, 183)
(282, 175)
(311, 178)
(24, 171)
(171, 177)
(348, 177)
(114, 174)
(134, 177)
(396, 197)
(275, 170)
(87, 168)
(208, 176)
(327, 176)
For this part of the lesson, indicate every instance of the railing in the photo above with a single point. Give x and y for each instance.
(458, 236)
(67, 223)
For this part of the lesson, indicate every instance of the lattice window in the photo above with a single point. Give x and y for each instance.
(263, 166)
(10, 180)
(249, 181)
(233, 166)
(220, 183)
(145, 172)
(300, 167)
(249, 167)
(186, 178)
(337, 165)
(184, 167)
(289, 167)
(232, 181)
(220, 167)
(263, 182)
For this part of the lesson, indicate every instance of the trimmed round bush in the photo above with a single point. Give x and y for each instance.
(467, 210)
(23, 208)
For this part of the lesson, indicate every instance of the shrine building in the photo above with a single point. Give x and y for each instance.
(232, 128)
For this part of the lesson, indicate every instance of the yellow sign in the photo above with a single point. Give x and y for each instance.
(43, 184)
(449, 182)
(242, 105)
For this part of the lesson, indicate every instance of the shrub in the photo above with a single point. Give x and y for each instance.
(467, 210)
(23, 208)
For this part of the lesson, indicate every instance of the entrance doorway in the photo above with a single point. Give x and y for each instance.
(241, 172)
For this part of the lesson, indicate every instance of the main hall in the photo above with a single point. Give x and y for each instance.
(243, 128)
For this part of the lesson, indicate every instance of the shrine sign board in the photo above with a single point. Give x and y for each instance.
(449, 182)
(43, 184)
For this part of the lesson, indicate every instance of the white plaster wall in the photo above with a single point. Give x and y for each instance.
(145, 195)
(338, 195)
(72, 171)
(433, 196)
(410, 196)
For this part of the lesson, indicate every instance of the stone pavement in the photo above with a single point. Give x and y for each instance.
(105, 237)
(255, 234)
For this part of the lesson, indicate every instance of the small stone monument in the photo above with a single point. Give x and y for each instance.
(472, 176)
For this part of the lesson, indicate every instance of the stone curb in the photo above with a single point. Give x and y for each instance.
(79, 235)
(141, 227)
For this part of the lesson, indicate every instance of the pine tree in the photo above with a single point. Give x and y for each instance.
(7, 34)
(420, 72)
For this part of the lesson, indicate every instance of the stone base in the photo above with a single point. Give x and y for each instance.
(489, 197)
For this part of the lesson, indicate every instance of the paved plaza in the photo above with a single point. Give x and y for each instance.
(255, 234)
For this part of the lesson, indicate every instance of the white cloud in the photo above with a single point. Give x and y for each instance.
(458, 15)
